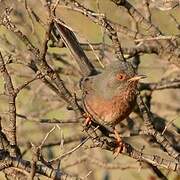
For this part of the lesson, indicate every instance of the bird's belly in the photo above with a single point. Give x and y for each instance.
(108, 111)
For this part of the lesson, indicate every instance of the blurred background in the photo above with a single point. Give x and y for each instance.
(36, 103)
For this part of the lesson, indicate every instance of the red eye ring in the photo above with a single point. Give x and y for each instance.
(119, 76)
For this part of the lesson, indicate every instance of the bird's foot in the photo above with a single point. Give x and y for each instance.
(119, 145)
(87, 121)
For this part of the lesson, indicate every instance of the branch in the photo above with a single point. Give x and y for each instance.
(24, 165)
(10, 92)
(135, 154)
(151, 130)
(164, 84)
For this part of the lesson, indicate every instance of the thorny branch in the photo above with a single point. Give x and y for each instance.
(10, 92)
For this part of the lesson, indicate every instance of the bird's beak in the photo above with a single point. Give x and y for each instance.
(137, 78)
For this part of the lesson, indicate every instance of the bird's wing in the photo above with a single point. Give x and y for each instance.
(86, 84)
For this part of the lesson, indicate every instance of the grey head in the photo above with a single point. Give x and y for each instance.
(111, 80)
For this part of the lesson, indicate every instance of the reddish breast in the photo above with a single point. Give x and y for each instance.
(110, 111)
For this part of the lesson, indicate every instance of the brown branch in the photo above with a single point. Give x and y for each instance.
(151, 130)
(135, 154)
(4, 143)
(24, 165)
(164, 84)
(10, 92)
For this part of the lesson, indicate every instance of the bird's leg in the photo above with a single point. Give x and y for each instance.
(119, 143)
(88, 119)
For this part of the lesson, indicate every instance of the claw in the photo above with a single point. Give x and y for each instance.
(87, 121)
(120, 144)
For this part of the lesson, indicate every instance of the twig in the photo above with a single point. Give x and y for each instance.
(163, 84)
(69, 152)
(102, 21)
(157, 38)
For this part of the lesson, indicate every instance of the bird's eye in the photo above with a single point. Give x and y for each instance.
(120, 77)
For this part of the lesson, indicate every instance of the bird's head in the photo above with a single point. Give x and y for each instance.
(118, 76)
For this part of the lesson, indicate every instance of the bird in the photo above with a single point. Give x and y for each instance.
(110, 96)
